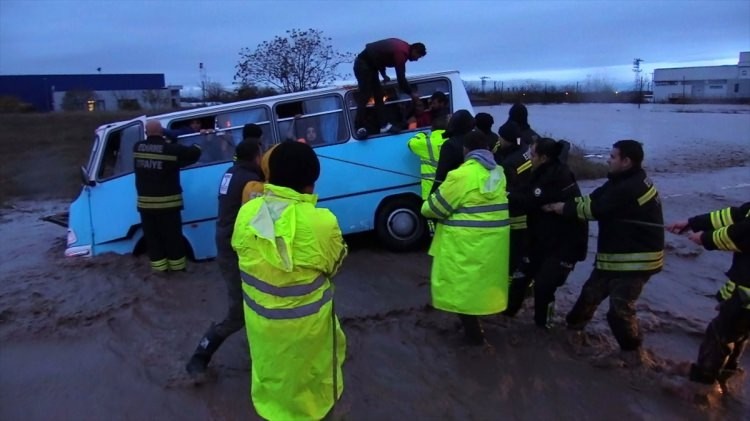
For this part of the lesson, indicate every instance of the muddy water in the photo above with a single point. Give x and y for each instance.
(102, 339)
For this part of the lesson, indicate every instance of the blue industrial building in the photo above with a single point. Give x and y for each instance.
(108, 91)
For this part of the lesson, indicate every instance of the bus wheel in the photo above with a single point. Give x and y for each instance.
(400, 225)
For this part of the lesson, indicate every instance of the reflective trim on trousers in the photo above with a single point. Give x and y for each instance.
(288, 291)
(288, 313)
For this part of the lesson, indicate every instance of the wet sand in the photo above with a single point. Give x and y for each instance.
(101, 338)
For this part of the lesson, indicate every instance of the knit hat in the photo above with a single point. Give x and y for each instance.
(510, 132)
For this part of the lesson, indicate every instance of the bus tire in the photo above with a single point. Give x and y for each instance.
(400, 225)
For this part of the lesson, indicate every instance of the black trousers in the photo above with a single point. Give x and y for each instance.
(724, 342)
(548, 274)
(623, 291)
(472, 329)
(230, 272)
(163, 234)
(518, 266)
(368, 84)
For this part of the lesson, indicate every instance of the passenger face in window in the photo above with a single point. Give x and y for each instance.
(195, 125)
(311, 135)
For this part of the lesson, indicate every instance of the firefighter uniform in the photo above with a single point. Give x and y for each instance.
(630, 249)
(288, 252)
(427, 148)
(157, 180)
(472, 212)
(726, 336)
(516, 164)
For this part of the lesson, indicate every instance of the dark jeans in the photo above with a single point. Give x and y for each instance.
(368, 84)
(472, 329)
(623, 291)
(548, 274)
(230, 271)
(163, 235)
(724, 342)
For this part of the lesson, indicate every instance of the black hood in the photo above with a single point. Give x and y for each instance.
(461, 122)
(519, 114)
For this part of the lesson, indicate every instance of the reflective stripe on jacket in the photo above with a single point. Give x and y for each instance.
(628, 210)
(471, 243)
(288, 251)
(728, 229)
(427, 148)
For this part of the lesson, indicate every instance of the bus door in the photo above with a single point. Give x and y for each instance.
(114, 215)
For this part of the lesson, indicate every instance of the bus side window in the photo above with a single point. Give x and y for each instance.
(316, 121)
(118, 153)
(218, 146)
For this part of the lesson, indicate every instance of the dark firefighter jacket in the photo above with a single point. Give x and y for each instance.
(157, 173)
(631, 232)
(551, 234)
(729, 229)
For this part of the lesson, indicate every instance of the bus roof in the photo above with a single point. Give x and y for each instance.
(282, 97)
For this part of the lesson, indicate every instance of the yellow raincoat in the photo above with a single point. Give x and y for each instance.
(427, 148)
(471, 243)
(288, 251)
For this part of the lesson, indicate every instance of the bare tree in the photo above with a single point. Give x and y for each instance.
(215, 91)
(301, 60)
(156, 98)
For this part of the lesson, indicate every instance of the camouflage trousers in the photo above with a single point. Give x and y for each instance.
(623, 292)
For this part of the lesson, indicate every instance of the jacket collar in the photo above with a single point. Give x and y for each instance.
(289, 194)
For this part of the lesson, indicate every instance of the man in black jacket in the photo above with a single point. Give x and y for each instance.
(245, 169)
(376, 56)
(630, 248)
(157, 164)
(555, 245)
(726, 229)
(452, 151)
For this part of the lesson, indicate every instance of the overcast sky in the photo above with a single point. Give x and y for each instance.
(534, 39)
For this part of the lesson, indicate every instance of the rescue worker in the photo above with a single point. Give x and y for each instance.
(471, 209)
(484, 124)
(555, 245)
(289, 251)
(452, 151)
(726, 229)
(427, 148)
(514, 157)
(630, 248)
(520, 115)
(157, 164)
(246, 169)
(390, 52)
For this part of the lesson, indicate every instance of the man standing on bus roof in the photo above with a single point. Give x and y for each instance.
(390, 52)
(157, 166)
(234, 183)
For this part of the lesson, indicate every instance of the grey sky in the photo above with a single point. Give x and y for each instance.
(540, 39)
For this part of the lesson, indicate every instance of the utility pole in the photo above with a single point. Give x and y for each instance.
(638, 80)
(202, 72)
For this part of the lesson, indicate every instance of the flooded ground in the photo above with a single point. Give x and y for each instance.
(101, 338)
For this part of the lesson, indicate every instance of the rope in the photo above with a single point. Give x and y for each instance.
(359, 164)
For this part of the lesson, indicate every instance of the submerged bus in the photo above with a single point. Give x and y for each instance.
(370, 184)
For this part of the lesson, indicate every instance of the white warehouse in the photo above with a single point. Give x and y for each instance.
(706, 82)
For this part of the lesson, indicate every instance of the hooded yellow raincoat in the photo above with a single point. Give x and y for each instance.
(288, 251)
(471, 243)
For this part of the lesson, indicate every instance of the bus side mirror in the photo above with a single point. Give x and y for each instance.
(85, 179)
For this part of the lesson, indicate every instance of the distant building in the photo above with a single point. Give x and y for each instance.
(705, 82)
(92, 92)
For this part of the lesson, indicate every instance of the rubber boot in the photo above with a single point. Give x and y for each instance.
(208, 344)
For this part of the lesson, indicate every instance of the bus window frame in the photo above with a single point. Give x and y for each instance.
(342, 110)
(100, 160)
(232, 128)
(350, 95)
